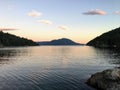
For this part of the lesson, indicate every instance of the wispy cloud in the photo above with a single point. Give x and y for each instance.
(95, 12)
(117, 12)
(63, 27)
(34, 13)
(5, 29)
(45, 22)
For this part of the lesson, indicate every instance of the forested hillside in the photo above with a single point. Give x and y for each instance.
(7, 39)
(62, 41)
(108, 39)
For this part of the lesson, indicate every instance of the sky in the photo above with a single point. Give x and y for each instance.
(44, 20)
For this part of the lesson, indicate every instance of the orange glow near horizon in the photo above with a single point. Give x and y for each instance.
(41, 20)
(79, 37)
(84, 41)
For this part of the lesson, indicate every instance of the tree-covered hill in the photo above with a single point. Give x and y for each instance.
(108, 39)
(62, 41)
(7, 39)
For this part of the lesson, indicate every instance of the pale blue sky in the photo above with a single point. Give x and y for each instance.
(72, 19)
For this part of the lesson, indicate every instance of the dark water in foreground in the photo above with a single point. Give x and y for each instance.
(52, 67)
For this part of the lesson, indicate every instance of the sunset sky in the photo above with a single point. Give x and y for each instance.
(44, 20)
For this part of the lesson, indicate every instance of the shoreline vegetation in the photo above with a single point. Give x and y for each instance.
(109, 39)
(105, 80)
(9, 40)
(108, 79)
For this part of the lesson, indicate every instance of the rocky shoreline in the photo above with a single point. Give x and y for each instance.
(106, 80)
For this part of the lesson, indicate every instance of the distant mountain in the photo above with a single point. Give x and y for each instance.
(63, 41)
(108, 39)
(7, 39)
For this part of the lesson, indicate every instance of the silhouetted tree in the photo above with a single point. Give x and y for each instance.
(108, 39)
(7, 39)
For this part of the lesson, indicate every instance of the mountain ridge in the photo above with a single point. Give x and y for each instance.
(62, 41)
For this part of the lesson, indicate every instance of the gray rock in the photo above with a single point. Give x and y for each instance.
(106, 80)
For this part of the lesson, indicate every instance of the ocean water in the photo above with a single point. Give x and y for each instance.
(53, 67)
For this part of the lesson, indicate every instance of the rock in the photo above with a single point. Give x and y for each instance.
(106, 80)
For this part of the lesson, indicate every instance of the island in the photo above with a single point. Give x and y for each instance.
(109, 39)
(7, 39)
(62, 41)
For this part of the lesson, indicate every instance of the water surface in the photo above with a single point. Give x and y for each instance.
(53, 67)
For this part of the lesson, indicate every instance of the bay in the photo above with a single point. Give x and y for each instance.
(53, 67)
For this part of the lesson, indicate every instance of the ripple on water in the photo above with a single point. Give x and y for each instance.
(51, 68)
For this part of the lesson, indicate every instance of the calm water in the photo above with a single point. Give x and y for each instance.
(53, 67)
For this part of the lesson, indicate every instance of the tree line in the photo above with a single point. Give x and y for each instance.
(7, 39)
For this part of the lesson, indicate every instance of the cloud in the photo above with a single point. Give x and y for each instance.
(34, 13)
(45, 22)
(95, 12)
(7, 29)
(63, 27)
(117, 12)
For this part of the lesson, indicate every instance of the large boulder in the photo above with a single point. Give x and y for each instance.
(106, 80)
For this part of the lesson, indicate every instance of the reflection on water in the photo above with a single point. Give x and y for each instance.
(111, 56)
(53, 67)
